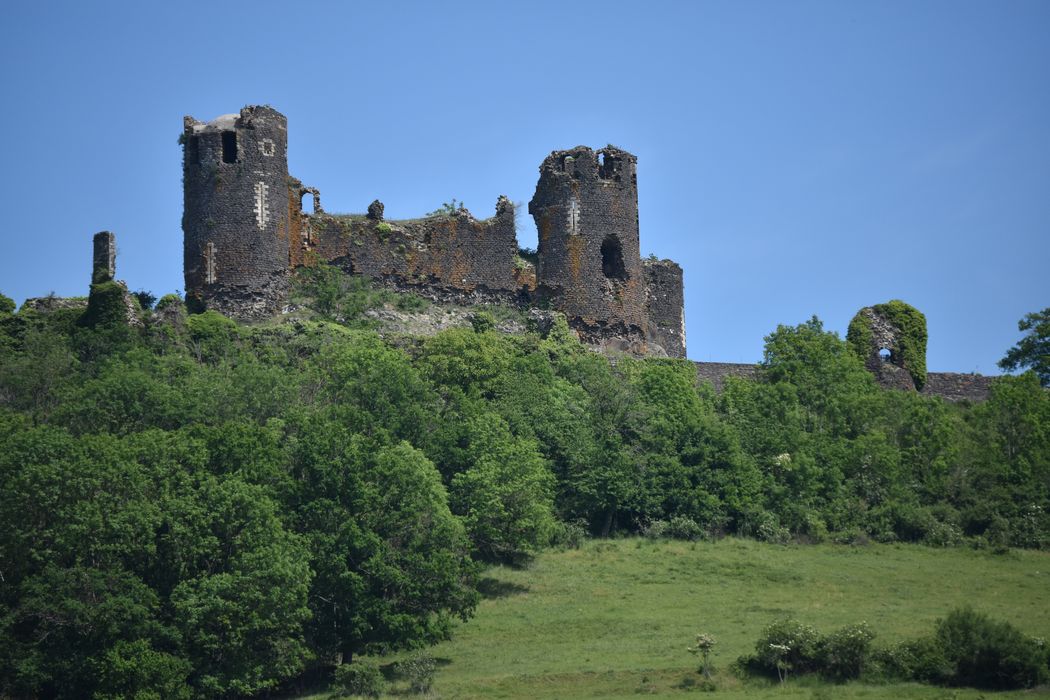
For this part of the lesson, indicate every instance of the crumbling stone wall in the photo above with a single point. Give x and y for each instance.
(450, 257)
(236, 213)
(245, 230)
(949, 386)
(586, 212)
(953, 386)
(716, 372)
(665, 306)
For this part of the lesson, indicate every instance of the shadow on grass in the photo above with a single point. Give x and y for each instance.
(491, 588)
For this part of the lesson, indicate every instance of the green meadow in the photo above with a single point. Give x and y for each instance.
(614, 618)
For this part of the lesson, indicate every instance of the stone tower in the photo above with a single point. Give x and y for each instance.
(586, 212)
(236, 212)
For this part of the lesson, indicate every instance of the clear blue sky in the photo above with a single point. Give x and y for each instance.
(796, 158)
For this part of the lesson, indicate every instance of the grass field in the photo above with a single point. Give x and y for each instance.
(613, 619)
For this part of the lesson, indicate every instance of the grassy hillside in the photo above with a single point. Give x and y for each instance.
(613, 619)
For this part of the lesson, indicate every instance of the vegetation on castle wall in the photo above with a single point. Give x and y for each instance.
(860, 337)
(910, 324)
(106, 305)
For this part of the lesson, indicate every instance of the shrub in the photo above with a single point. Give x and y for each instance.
(984, 653)
(145, 298)
(677, 528)
(922, 660)
(785, 646)
(419, 670)
(360, 678)
(765, 527)
(7, 305)
(845, 653)
(569, 535)
(169, 300)
(789, 646)
(410, 302)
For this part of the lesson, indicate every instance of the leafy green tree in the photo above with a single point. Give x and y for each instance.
(695, 467)
(373, 388)
(67, 626)
(831, 381)
(242, 611)
(608, 484)
(505, 498)
(392, 563)
(1033, 350)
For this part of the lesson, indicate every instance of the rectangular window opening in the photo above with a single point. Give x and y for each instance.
(229, 147)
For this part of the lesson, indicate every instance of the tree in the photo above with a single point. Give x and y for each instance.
(505, 497)
(1033, 350)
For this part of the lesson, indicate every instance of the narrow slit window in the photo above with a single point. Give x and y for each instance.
(229, 147)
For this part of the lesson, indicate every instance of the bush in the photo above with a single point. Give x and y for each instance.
(569, 535)
(789, 646)
(419, 670)
(765, 527)
(360, 678)
(677, 528)
(845, 653)
(922, 660)
(984, 653)
(168, 300)
(785, 646)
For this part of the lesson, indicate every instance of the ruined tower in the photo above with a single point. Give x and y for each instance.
(236, 212)
(586, 212)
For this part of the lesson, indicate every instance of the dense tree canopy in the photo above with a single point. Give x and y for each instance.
(202, 509)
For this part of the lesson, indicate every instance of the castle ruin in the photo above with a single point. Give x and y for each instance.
(245, 230)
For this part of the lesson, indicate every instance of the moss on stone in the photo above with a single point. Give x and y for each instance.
(911, 337)
(106, 305)
(859, 335)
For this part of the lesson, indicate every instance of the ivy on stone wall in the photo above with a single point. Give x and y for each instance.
(106, 305)
(910, 336)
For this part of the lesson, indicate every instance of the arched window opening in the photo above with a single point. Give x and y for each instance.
(306, 202)
(612, 259)
(885, 355)
(229, 147)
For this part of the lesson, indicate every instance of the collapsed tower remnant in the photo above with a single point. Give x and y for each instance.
(891, 339)
(245, 229)
(109, 299)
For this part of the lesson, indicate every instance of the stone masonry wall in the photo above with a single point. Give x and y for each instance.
(947, 385)
(451, 257)
(665, 306)
(958, 387)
